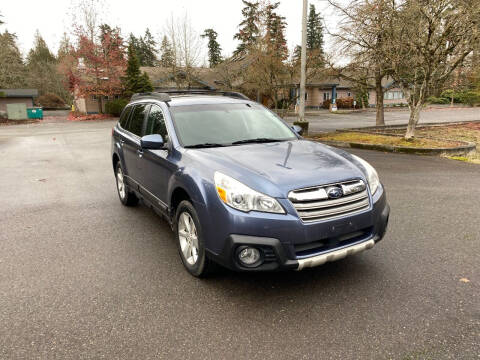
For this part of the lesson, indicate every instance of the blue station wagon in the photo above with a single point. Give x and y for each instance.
(240, 187)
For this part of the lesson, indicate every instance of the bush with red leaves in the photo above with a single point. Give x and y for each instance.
(76, 116)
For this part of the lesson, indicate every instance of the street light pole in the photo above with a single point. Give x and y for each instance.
(303, 65)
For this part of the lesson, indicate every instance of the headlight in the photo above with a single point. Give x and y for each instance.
(241, 197)
(372, 176)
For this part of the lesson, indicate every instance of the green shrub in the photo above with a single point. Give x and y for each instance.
(449, 93)
(115, 107)
(438, 100)
(471, 98)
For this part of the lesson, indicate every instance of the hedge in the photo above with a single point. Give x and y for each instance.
(115, 107)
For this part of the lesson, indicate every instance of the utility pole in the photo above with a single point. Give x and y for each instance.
(303, 65)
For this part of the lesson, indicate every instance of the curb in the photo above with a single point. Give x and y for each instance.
(404, 126)
(458, 150)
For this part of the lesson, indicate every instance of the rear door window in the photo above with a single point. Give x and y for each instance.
(135, 125)
(124, 117)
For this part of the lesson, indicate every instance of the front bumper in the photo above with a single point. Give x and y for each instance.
(277, 237)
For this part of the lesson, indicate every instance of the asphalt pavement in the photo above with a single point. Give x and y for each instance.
(81, 276)
(325, 121)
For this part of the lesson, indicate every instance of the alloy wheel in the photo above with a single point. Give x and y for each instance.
(188, 237)
(120, 183)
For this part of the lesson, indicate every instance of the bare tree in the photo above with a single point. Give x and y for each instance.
(186, 46)
(362, 35)
(430, 39)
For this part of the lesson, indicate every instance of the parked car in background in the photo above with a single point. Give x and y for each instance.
(242, 188)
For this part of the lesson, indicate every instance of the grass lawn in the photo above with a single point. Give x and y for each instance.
(465, 132)
(358, 137)
(438, 136)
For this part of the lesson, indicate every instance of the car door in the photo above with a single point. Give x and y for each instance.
(157, 166)
(132, 151)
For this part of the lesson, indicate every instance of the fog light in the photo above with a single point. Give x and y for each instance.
(248, 256)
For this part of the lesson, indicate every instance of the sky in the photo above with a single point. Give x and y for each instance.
(54, 17)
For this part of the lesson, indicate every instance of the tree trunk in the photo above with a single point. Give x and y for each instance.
(100, 104)
(413, 121)
(451, 102)
(380, 120)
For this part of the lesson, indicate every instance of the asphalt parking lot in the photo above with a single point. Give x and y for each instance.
(83, 277)
(325, 121)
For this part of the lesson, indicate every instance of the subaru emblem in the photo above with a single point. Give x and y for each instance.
(334, 192)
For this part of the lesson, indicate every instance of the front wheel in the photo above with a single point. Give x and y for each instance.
(190, 241)
(127, 197)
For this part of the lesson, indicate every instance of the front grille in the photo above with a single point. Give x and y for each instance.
(327, 244)
(315, 203)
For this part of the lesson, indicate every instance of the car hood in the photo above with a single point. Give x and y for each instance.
(277, 168)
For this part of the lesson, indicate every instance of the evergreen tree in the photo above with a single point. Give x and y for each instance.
(249, 31)
(42, 71)
(167, 58)
(135, 43)
(12, 69)
(314, 30)
(65, 47)
(315, 54)
(275, 32)
(40, 53)
(145, 48)
(135, 81)
(148, 50)
(214, 49)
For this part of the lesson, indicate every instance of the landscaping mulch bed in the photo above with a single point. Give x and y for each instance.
(6, 122)
(89, 117)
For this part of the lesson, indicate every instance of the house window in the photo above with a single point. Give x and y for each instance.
(116, 97)
(94, 97)
(349, 94)
(326, 96)
(393, 95)
(106, 97)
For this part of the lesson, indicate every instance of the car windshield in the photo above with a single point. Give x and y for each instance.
(227, 124)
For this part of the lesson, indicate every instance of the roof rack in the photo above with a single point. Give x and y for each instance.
(165, 94)
(148, 95)
(200, 91)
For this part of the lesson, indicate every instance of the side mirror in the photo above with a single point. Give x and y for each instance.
(152, 142)
(297, 129)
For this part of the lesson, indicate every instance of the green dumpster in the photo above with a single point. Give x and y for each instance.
(35, 113)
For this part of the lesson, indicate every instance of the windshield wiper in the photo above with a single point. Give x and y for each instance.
(256, 141)
(204, 145)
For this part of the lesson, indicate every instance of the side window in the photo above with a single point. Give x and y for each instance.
(135, 125)
(156, 123)
(124, 117)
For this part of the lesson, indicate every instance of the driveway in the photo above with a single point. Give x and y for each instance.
(323, 120)
(83, 277)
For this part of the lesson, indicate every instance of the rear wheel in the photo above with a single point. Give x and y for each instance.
(127, 197)
(191, 245)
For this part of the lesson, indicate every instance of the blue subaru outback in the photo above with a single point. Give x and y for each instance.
(240, 187)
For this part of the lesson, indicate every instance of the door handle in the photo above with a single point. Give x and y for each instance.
(122, 141)
(140, 153)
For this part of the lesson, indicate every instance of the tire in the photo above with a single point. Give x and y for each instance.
(126, 197)
(190, 242)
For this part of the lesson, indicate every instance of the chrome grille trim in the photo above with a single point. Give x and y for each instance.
(313, 204)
